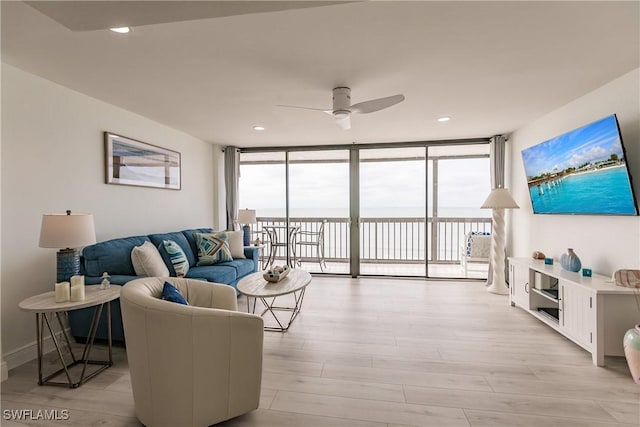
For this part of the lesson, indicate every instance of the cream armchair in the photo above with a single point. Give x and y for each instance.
(191, 365)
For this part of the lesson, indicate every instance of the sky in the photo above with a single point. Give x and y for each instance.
(591, 143)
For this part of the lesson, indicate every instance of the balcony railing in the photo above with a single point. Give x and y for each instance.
(382, 240)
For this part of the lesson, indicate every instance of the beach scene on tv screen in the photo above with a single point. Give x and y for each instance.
(581, 172)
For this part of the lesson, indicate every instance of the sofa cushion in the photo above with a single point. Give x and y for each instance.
(181, 240)
(147, 261)
(236, 244)
(242, 266)
(172, 294)
(189, 235)
(218, 273)
(213, 248)
(112, 256)
(177, 257)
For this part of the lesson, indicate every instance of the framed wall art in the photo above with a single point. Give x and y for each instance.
(131, 162)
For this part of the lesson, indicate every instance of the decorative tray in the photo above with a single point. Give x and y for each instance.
(276, 274)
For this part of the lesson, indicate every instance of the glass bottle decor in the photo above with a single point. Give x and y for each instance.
(570, 261)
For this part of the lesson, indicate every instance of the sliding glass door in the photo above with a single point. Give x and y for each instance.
(459, 184)
(392, 211)
(301, 200)
(364, 210)
(319, 208)
(263, 187)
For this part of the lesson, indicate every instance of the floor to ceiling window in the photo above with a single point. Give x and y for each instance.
(414, 207)
(319, 207)
(392, 211)
(459, 183)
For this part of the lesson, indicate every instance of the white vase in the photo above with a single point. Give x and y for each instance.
(631, 344)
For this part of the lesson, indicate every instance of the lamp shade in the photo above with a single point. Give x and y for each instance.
(247, 216)
(67, 230)
(499, 198)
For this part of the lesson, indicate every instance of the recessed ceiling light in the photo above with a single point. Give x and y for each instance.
(444, 119)
(258, 128)
(121, 30)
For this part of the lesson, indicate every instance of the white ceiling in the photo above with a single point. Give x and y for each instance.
(491, 66)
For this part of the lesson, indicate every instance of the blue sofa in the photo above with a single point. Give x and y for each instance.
(114, 257)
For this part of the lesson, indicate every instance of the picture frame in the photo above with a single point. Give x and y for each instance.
(137, 163)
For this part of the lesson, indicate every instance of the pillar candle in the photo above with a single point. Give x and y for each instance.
(77, 293)
(77, 288)
(62, 292)
(77, 281)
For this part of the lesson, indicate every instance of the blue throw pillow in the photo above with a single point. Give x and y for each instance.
(177, 257)
(171, 293)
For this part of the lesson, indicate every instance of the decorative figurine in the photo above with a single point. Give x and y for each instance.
(105, 284)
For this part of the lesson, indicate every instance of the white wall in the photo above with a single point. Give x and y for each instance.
(603, 243)
(53, 160)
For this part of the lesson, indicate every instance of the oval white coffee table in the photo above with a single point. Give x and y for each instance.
(256, 287)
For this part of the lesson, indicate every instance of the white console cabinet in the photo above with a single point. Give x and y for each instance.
(591, 311)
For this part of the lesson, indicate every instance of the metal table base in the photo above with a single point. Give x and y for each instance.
(271, 308)
(42, 319)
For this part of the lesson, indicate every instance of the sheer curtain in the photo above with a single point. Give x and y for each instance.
(231, 180)
(496, 160)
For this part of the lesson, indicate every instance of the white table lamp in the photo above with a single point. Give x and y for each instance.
(67, 232)
(246, 217)
(499, 199)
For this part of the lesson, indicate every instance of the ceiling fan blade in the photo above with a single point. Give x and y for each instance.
(305, 108)
(376, 104)
(345, 123)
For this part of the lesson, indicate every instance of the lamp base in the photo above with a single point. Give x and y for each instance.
(498, 288)
(246, 238)
(68, 264)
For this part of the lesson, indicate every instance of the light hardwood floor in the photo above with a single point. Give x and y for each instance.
(391, 353)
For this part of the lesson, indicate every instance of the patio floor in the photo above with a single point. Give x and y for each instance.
(449, 271)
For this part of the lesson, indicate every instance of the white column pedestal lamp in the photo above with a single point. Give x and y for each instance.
(499, 199)
(246, 217)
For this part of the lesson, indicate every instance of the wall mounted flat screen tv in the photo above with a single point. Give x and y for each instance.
(581, 172)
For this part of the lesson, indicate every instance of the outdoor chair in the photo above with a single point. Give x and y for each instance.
(476, 247)
(312, 239)
(274, 241)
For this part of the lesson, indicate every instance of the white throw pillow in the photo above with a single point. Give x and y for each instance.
(147, 261)
(236, 244)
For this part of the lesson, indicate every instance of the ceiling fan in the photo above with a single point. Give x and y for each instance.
(342, 108)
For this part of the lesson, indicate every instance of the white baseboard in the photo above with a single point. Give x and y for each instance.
(29, 352)
(4, 371)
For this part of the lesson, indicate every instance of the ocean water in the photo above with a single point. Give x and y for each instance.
(606, 191)
(378, 212)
